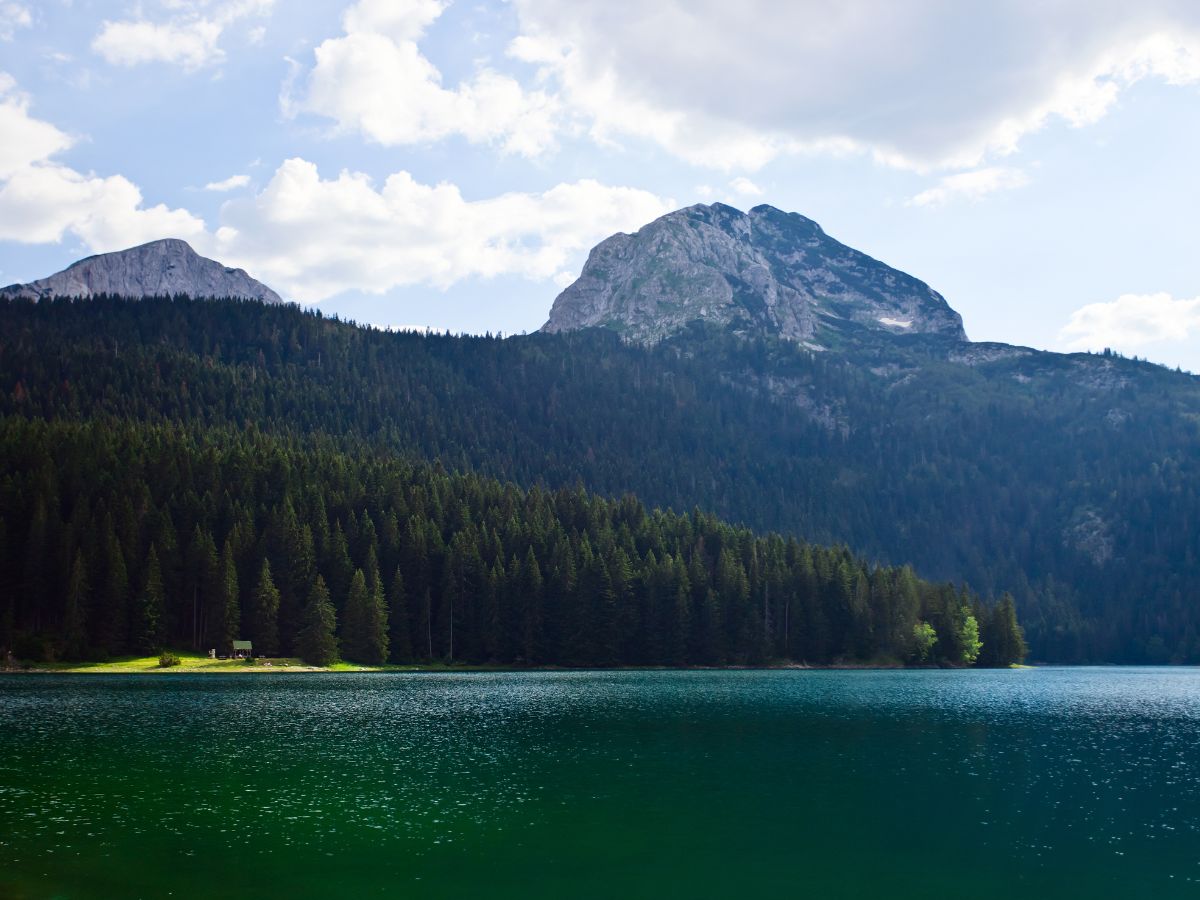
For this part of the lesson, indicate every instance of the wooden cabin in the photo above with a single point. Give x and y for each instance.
(242, 650)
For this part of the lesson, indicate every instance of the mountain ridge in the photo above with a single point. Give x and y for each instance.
(762, 271)
(165, 267)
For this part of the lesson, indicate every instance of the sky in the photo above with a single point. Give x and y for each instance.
(426, 163)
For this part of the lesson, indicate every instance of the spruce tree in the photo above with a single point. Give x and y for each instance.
(75, 636)
(1003, 640)
(1014, 635)
(681, 615)
(399, 629)
(530, 598)
(230, 614)
(264, 614)
(149, 626)
(203, 589)
(113, 604)
(364, 629)
(315, 640)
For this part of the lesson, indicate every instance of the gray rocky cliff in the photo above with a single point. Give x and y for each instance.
(166, 267)
(761, 271)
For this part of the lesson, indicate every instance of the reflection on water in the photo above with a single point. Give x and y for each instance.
(831, 784)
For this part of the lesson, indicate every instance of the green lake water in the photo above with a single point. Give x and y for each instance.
(1035, 783)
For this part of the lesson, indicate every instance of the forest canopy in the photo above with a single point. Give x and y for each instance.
(1067, 481)
(120, 538)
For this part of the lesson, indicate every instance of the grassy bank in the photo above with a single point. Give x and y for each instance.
(196, 662)
(190, 663)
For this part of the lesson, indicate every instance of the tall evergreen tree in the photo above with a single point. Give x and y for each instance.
(1003, 640)
(316, 638)
(229, 614)
(264, 614)
(530, 598)
(75, 635)
(149, 619)
(400, 644)
(364, 627)
(203, 588)
(112, 604)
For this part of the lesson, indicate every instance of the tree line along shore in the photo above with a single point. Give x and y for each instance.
(121, 538)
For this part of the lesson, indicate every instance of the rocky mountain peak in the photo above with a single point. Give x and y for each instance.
(160, 268)
(762, 271)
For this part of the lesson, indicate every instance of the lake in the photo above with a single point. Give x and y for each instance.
(823, 784)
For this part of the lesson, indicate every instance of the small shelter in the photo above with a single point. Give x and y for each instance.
(242, 650)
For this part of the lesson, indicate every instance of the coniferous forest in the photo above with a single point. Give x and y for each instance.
(125, 538)
(1069, 481)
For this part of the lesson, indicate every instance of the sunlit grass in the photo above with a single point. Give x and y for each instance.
(190, 661)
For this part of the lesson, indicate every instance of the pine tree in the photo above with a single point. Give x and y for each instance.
(1014, 636)
(364, 628)
(264, 614)
(492, 623)
(149, 625)
(399, 627)
(380, 643)
(316, 641)
(37, 581)
(530, 587)
(338, 566)
(112, 606)
(75, 636)
(1003, 640)
(681, 614)
(203, 590)
(294, 552)
(230, 621)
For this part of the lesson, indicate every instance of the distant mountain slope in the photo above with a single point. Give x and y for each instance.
(765, 272)
(1070, 480)
(159, 269)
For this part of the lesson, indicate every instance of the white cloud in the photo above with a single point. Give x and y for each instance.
(233, 182)
(971, 186)
(190, 38)
(42, 203)
(41, 200)
(190, 44)
(745, 187)
(923, 84)
(313, 238)
(1132, 321)
(400, 20)
(26, 139)
(375, 80)
(13, 16)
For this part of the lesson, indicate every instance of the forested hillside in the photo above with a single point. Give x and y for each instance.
(124, 538)
(1070, 481)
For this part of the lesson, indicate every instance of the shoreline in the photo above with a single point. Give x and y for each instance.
(206, 666)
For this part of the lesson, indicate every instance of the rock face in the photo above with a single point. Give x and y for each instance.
(166, 267)
(761, 271)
